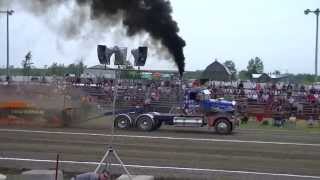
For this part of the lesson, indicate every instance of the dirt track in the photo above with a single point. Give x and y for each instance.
(250, 154)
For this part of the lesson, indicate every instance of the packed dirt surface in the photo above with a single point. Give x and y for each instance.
(43, 105)
(244, 155)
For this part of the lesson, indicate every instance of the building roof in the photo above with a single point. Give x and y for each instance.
(264, 77)
(98, 72)
(99, 66)
(256, 76)
(217, 72)
(272, 76)
(102, 67)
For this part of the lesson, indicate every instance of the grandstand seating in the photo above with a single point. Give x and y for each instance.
(132, 97)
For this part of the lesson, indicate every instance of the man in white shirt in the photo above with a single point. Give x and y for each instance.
(255, 96)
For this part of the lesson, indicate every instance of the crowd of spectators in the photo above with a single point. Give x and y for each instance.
(279, 99)
(132, 91)
(276, 96)
(263, 92)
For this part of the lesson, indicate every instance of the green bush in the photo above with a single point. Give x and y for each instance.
(244, 120)
(265, 123)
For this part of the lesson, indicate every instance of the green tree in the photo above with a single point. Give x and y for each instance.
(26, 64)
(232, 68)
(53, 69)
(304, 78)
(57, 69)
(192, 74)
(244, 75)
(72, 69)
(80, 67)
(255, 66)
(75, 68)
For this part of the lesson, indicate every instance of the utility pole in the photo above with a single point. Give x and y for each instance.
(8, 12)
(316, 12)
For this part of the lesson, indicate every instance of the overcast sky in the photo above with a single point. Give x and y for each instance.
(275, 30)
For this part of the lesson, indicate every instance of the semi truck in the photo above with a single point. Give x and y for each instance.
(197, 110)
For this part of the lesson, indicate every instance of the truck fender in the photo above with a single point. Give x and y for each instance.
(212, 119)
(147, 114)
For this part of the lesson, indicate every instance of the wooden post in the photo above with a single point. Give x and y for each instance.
(57, 167)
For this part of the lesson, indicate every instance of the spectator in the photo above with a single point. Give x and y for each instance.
(302, 88)
(274, 87)
(311, 121)
(284, 89)
(291, 100)
(240, 86)
(265, 97)
(311, 98)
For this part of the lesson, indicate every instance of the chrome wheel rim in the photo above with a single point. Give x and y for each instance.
(145, 123)
(123, 123)
(222, 127)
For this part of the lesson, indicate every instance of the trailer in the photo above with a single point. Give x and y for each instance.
(197, 111)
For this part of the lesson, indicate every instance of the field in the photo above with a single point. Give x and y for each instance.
(252, 152)
(300, 125)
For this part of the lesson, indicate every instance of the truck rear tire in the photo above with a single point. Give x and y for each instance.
(223, 126)
(145, 123)
(122, 122)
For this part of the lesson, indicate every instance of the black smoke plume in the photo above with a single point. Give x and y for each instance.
(151, 16)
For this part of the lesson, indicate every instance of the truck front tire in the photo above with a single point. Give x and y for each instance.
(223, 126)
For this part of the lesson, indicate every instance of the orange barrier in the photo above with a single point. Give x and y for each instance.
(14, 105)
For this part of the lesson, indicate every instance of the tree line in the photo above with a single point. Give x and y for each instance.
(55, 69)
(255, 66)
